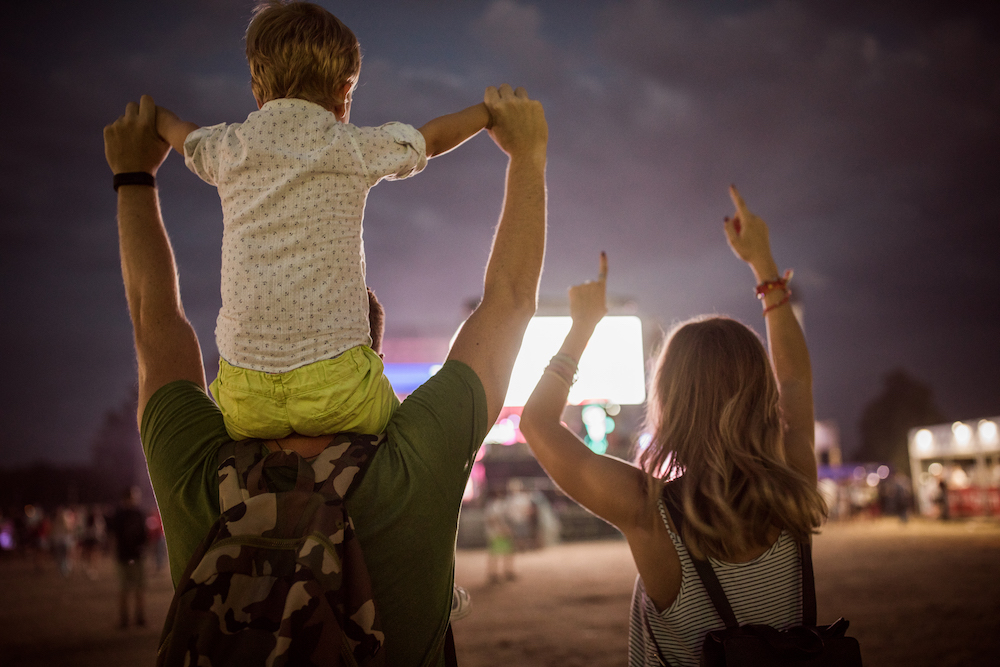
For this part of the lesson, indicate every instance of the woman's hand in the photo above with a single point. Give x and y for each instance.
(748, 237)
(610, 488)
(587, 301)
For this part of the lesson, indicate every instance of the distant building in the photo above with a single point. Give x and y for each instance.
(959, 463)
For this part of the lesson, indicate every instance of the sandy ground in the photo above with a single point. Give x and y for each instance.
(920, 594)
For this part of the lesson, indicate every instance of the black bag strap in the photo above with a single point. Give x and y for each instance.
(711, 582)
(808, 585)
(450, 655)
(703, 568)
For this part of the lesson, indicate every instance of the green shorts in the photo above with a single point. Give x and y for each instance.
(501, 545)
(347, 393)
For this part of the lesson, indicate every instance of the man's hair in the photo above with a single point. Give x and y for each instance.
(713, 412)
(300, 50)
(376, 320)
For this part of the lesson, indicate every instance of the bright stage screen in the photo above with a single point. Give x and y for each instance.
(612, 367)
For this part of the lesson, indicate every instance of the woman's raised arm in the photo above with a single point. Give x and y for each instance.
(609, 487)
(748, 237)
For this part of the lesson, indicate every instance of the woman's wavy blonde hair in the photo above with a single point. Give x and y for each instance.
(300, 50)
(713, 412)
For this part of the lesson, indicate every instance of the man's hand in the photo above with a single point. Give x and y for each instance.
(131, 143)
(519, 126)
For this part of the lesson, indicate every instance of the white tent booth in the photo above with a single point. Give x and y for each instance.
(965, 457)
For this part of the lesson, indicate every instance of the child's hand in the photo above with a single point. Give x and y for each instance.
(519, 125)
(172, 129)
(587, 301)
(747, 234)
(166, 120)
(131, 143)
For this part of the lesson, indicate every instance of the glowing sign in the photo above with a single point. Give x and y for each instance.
(611, 369)
(407, 377)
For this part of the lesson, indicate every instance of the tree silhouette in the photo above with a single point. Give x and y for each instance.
(904, 403)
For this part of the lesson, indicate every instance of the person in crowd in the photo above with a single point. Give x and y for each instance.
(405, 508)
(37, 528)
(733, 429)
(91, 537)
(63, 539)
(499, 537)
(943, 502)
(128, 527)
(294, 345)
(522, 515)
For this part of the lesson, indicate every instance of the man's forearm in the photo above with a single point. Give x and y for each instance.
(515, 263)
(166, 345)
(148, 267)
(490, 338)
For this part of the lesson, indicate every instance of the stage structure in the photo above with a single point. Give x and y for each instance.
(611, 375)
(958, 463)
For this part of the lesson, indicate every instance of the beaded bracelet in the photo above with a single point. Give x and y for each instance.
(564, 367)
(771, 285)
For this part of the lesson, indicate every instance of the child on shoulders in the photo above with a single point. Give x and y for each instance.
(293, 333)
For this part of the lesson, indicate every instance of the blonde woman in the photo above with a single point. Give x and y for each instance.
(734, 429)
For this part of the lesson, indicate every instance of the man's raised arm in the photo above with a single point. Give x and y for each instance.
(166, 346)
(491, 337)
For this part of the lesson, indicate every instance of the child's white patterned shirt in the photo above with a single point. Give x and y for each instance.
(293, 182)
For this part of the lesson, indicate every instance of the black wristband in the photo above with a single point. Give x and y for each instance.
(134, 178)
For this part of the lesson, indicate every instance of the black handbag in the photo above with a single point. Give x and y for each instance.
(755, 645)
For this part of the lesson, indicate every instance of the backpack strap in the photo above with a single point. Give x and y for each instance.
(808, 585)
(707, 574)
(702, 567)
(235, 459)
(450, 654)
(343, 462)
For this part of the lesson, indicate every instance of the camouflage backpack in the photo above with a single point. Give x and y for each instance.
(280, 579)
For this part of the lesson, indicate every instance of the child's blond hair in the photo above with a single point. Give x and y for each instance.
(300, 50)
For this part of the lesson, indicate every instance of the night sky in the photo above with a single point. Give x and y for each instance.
(866, 133)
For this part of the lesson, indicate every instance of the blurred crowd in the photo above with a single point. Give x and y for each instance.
(71, 538)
